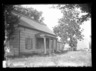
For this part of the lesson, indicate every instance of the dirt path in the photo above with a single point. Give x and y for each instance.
(77, 58)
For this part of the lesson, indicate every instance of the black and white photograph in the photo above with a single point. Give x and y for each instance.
(47, 35)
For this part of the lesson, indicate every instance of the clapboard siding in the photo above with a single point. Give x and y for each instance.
(24, 33)
(59, 46)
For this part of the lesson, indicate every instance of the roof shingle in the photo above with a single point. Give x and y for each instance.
(33, 24)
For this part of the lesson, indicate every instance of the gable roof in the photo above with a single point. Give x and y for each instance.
(34, 24)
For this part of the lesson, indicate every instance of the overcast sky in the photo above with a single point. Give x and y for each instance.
(52, 15)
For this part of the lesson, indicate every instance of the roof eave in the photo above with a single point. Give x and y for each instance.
(36, 30)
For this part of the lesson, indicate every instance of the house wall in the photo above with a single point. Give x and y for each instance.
(59, 46)
(18, 44)
(52, 45)
(25, 33)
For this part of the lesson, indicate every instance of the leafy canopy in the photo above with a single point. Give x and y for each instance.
(30, 12)
(69, 24)
(11, 21)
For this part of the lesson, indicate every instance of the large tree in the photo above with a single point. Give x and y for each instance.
(11, 21)
(69, 24)
(30, 12)
(84, 8)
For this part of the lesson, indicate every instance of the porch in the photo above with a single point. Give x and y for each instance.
(46, 42)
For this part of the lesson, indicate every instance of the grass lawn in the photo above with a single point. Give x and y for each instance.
(72, 58)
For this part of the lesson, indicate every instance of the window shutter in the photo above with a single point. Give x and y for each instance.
(28, 43)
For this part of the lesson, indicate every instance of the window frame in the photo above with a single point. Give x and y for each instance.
(28, 43)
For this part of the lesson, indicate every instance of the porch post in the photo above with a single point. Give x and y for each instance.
(50, 46)
(54, 44)
(44, 45)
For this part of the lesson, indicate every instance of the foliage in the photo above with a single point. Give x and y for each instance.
(69, 25)
(30, 12)
(11, 21)
(85, 8)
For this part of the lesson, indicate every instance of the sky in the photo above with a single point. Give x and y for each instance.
(52, 15)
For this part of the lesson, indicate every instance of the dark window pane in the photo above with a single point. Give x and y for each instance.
(39, 43)
(47, 43)
(28, 43)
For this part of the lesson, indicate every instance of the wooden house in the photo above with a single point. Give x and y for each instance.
(32, 37)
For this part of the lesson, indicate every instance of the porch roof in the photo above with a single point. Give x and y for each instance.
(44, 35)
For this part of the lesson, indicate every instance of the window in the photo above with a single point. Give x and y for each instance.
(28, 43)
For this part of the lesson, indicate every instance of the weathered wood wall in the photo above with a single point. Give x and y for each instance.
(24, 33)
(18, 43)
(59, 46)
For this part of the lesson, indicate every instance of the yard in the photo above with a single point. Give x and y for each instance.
(72, 58)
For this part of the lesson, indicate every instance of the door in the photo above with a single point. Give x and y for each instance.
(39, 43)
